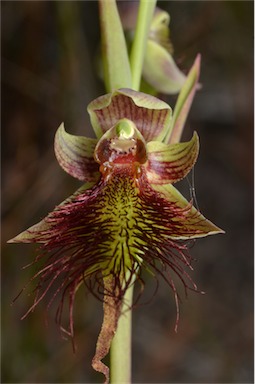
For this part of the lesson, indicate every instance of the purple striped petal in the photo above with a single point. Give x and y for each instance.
(169, 163)
(75, 155)
(150, 115)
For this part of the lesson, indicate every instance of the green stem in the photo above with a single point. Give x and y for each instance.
(117, 72)
(120, 353)
(145, 14)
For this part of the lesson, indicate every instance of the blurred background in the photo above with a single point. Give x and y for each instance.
(49, 75)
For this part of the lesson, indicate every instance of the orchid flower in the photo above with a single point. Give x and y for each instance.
(159, 68)
(127, 219)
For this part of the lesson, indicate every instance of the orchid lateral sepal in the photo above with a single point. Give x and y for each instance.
(34, 233)
(193, 224)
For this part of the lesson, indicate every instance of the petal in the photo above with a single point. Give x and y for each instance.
(192, 224)
(160, 70)
(37, 233)
(184, 102)
(150, 115)
(75, 155)
(159, 31)
(121, 144)
(170, 163)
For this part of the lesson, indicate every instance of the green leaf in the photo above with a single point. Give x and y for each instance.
(75, 155)
(169, 163)
(117, 72)
(183, 103)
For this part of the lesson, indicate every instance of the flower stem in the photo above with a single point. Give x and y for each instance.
(120, 352)
(117, 73)
(145, 14)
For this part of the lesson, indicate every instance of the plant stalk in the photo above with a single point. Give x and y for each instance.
(146, 10)
(117, 73)
(120, 352)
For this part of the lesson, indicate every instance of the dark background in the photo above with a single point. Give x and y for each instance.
(49, 76)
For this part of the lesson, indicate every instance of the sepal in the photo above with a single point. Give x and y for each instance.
(150, 115)
(160, 70)
(38, 233)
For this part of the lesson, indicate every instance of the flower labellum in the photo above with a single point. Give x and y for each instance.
(127, 218)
